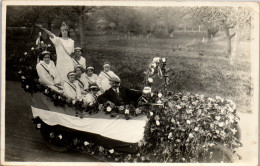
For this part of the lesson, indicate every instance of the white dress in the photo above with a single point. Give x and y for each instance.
(71, 90)
(93, 79)
(47, 73)
(82, 82)
(103, 80)
(82, 62)
(64, 49)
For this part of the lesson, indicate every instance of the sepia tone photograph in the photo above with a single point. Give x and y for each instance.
(119, 82)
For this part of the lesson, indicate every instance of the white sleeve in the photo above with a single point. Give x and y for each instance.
(41, 73)
(57, 76)
(67, 91)
(78, 91)
(54, 40)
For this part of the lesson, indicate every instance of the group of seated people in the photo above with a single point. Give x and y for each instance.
(84, 84)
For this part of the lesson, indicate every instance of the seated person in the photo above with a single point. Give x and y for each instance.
(71, 88)
(47, 72)
(103, 77)
(81, 80)
(78, 59)
(91, 76)
(117, 95)
(91, 98)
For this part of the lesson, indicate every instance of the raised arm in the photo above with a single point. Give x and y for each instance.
(45, 30)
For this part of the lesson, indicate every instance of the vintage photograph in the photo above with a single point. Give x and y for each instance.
(129, 83)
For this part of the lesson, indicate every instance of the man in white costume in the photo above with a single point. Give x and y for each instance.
(78, 59)
(81, 79)
(64, 46)
(47, 72)
(71, 88)
(103, 78)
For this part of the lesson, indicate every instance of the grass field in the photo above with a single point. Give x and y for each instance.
(209, 74)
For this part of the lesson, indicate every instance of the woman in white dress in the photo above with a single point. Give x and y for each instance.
(47, 71)
(64, 46)
(90, 75)
(78, 59)
(71, 88)
(103, 78)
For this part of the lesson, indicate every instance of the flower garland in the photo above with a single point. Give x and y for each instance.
(180, 125)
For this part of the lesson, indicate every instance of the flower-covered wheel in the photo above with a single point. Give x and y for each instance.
(54, 141)
(216, 154)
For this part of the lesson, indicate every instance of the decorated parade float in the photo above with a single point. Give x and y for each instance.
(165, 126)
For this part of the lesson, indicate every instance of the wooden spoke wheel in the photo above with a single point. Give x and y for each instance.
(53, 142)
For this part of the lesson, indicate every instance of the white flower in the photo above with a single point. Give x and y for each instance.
(178, 140)
(150, 80)
(27, 86)
(86, 143)
(109, 109)
(49, 45)
(188, 122)
(147, 90)
(160, 95)
(23, 77)
(159, 102)
(172, 120)
(211, 144)
(111, 151)
(158, 123)
(163, 60)
(234, 131)
(221, 124)
(151, 113)
(189, 111)
(222, 133)
(137, 111)
(38, 125)
(196, 129)
(32, 48)
(51, 134)
(178, 107)
(46, 91)
(19, 72)
(191, 135)
(73, 102)
(170, 135)
(217, 117)
(60, 136)
(126, 111)
(217, 131)
(25, 53)
(156, 59)
(59, 97)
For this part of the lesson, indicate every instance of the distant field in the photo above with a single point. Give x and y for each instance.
(209, 74)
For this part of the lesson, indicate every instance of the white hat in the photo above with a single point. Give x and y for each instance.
(70, 74)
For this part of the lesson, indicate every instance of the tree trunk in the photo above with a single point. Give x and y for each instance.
(235, 45)
(228, 50)
(81, 31)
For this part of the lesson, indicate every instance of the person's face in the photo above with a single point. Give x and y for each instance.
(94, 90)
(90, 72)
(78, 72)
(114, 84)
(72, 78)
(64, 33)
(47, 58)
(78, 53)
(106, 68)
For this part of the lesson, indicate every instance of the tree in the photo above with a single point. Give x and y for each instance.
(227, 18)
